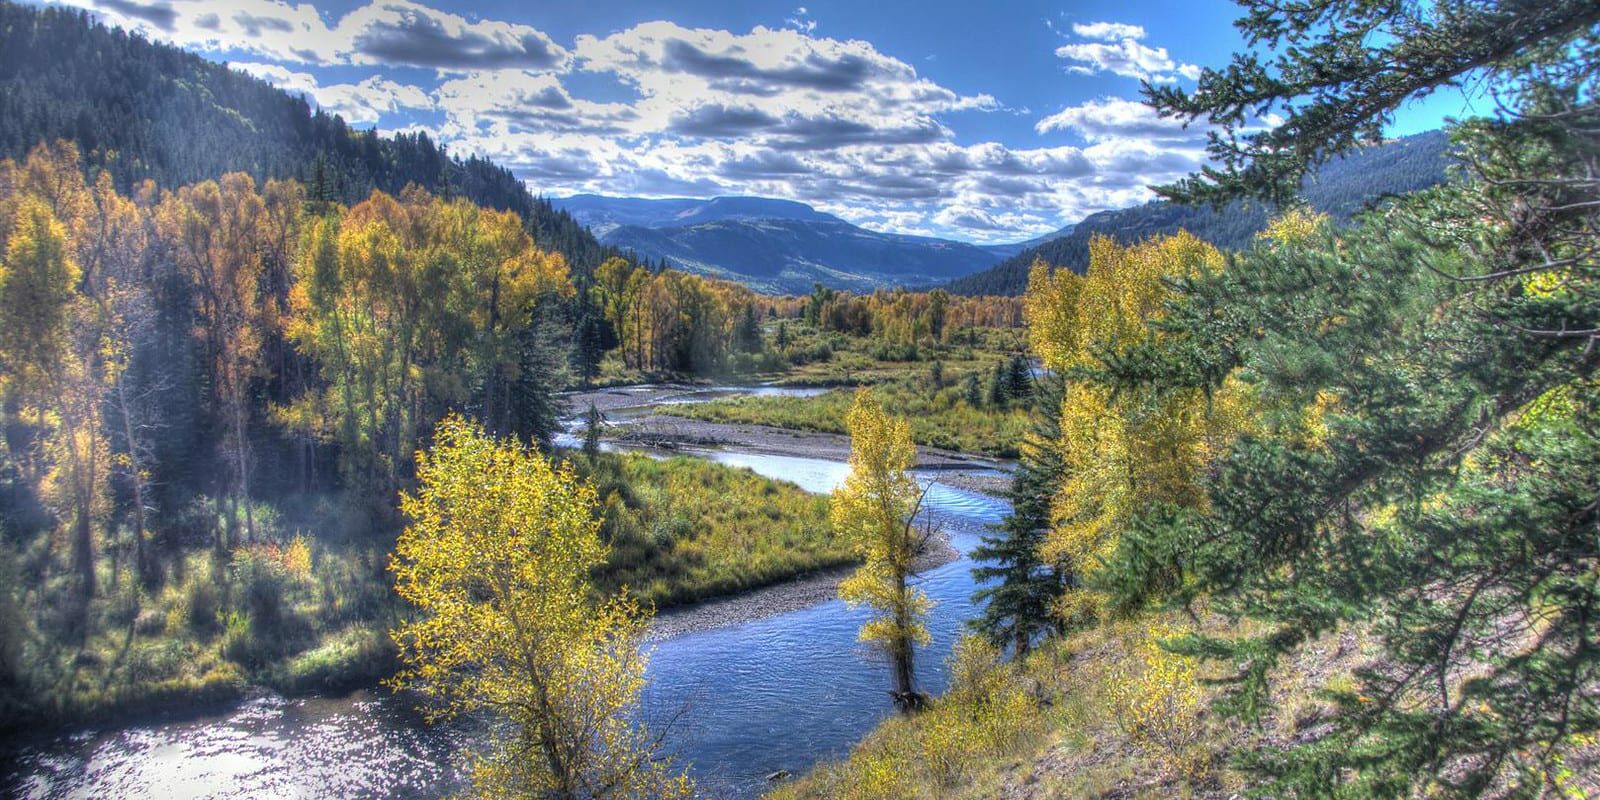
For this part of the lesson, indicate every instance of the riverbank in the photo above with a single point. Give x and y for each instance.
(782, 598)
(633, 416)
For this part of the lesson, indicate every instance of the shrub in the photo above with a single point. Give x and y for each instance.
(201, 605)
(1156, 699)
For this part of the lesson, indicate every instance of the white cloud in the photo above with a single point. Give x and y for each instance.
(1116, 47)
(1108, 31)
(362, 103)
(1117, 118)
(800, 20)
(388, 32)
(405, 32)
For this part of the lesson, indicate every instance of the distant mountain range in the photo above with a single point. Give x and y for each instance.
(1340, 188)
(783, 246)
(775, 245)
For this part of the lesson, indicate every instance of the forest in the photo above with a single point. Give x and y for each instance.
(1282, 485)
(214, 393)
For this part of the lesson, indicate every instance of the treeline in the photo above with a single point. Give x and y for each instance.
(1341, 188)
(144, 110)
(898, 316)
(665, 321)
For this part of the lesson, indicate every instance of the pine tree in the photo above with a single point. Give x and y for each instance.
(971, 392)
(1019, 378)
(998, 396)
(1424, 461)
(1020, 606)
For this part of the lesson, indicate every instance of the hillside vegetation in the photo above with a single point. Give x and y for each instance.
(140, 109)
(1316, 519)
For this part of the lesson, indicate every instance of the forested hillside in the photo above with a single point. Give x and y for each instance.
(1340, 188)
(140, 109)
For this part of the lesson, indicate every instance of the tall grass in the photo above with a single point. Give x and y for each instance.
(308, 605)
(685, 529)
(939, 417)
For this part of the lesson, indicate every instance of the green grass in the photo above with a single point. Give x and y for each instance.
(686, 529)
(939, 418)
(680, 530)
(857, 361)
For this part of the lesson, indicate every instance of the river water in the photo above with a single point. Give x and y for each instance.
(744, 701)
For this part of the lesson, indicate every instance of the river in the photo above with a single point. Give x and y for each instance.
(744, 701)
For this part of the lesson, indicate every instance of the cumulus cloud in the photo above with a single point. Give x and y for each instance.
(1117, 48)
(404, 32)
(740, 63)
(1108, 31)
(519, 100)
(388, 32)
(161, 15)
(781, 112)
(1116, 118)
(363, 103)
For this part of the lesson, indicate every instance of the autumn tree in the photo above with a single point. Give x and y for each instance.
(414, 306)
(50, 351)
(498, 561)
(1120, 452)
(215, 232)
(1426, 460)
(876, 509)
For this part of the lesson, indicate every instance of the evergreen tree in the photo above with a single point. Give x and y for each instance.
(593, 426)
(542, 371)
(1020, 606)
(971, 392)
(1424, 461)
(998, 395)
(1019, 378)
(747, 336)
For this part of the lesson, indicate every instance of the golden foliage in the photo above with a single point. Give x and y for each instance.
(986, 716)
(874, 509)
(1155, 697)
(1122, 452)
(497, 561)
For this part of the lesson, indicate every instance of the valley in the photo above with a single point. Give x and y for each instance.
(636, 401)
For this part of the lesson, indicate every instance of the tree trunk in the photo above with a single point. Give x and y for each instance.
(140, 557)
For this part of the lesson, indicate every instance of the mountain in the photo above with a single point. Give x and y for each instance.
(774, 245)
(140, 109)
(605, 214)
(1340, 188)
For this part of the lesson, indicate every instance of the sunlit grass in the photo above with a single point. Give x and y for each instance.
(939, 418)
(308, 606)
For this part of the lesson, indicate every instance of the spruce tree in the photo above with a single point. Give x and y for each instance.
(1424, 458)
(971, 391)
(1017, 609)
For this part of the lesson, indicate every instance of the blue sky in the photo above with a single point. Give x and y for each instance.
(984, 124)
